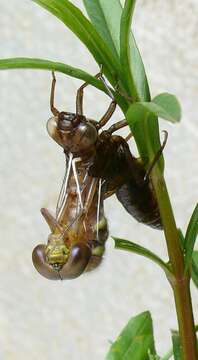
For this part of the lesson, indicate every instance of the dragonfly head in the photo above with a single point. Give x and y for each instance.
(56, 262)
(74, 132)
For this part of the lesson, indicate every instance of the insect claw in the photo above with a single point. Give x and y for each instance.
(109, 91)
(53, 75)
(165, 138)
(60, 276)
(157, 156)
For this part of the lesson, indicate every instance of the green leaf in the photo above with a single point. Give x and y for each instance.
(190, 237)
(74, 19)
(30, 63)
(125, 28)
(138, 72)
(142, 119)
(169, 107)
(140, 250)
(168, 355)
(106, 17)
(153, 357)
(194, 260)
(181, 239)
(145, 129)
(194, 270)
(165, 106)
(177, 351)
(135, 341)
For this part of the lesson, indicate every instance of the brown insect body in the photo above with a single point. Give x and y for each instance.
(125, 176)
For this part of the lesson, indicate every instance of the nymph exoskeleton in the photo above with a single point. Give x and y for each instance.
(126, 176)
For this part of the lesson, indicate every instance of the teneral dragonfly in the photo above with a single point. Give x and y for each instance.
(79, 229)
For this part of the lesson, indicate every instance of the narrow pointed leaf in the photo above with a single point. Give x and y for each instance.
(31, 63)
(43, 64)
(125, 58)
(138, 72)
(145, 129)
(139, 250)
(106, 17)
(194, 260)
(195, 268)
(135, 341)
(177, 348)
(190, 238)
(177, 351)
(181, 239)
(153, 357)
(74, 19)
(168, 355)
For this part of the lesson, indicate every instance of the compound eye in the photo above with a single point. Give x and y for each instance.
(39, 261)
(65, 120)
(77, 262)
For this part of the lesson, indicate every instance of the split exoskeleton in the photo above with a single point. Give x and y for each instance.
(98, 164)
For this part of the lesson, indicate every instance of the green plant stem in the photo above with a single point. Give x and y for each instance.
(180, 281)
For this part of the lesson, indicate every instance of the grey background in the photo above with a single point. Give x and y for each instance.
(77, 319)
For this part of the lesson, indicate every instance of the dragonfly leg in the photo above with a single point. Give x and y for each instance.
(156, 157)
(128, 137)
(54, 111)
(74, 161)
(63, 192)
(88, 201)
(117, 126)
(79, 96)
(106, 117)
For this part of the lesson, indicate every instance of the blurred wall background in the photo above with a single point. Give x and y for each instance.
(78, 319)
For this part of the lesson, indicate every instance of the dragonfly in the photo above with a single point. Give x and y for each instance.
(98, 165)
(79, 229)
